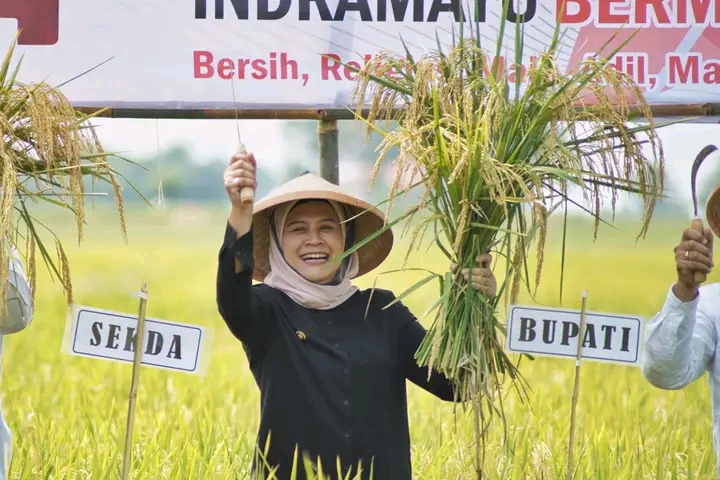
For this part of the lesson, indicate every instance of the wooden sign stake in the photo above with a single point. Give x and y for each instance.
(127, 457)
(581, 334)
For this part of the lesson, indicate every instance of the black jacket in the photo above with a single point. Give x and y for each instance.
(332, 382)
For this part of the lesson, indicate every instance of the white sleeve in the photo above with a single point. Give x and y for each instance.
(680, 340)
(18, 304)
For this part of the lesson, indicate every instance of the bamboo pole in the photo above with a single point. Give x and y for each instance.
(576, 386)
(227, 112)
(132, 397)
(329, 151)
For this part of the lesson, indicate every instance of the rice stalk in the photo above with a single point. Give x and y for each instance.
(47, 150)
(497, 158)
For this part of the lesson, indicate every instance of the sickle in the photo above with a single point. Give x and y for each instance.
(704, 153)
(247, 194)
(697, 223)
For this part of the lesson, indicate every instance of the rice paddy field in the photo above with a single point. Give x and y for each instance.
(68, 413)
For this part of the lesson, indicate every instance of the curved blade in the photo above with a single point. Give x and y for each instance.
(237, 124)
(704, 153)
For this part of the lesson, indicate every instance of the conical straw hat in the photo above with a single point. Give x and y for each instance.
(712, 210)
(367, 218)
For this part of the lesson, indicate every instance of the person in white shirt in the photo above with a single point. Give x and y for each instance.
(16, 316)
(681, 339)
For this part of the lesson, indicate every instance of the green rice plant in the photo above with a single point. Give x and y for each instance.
(67, 413)
(496, 157)
(47, 150)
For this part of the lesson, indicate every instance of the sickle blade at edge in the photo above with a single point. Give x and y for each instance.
(704, 153)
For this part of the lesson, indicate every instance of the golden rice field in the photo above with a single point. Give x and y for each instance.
(68, 413)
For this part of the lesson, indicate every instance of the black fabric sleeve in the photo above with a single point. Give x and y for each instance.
(410, 337)
(240, 306)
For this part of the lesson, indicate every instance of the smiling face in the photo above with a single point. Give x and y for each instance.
(311, 237)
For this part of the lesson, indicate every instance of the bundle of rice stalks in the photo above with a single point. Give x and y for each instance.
(46, 151)
(496, 158)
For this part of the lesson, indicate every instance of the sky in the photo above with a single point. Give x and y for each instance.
(213, 138)
(207, 138)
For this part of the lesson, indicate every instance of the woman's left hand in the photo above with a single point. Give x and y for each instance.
(481, 279)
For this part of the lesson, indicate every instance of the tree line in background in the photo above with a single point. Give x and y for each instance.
(185, 178)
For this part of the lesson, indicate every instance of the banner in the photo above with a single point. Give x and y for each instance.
(180, 55)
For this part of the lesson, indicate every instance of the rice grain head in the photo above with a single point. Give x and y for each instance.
(47, 151)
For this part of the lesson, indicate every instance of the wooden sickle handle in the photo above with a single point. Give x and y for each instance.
(697, 225)
(247, 194)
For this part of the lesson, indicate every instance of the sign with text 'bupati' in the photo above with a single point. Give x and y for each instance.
(289, 54)
(556, 332)
(106, 335)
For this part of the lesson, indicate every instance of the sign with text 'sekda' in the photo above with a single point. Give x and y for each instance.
(106, 335)
(555, 332)
(288, 54)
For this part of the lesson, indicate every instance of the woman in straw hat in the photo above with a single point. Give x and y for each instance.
(331, 364)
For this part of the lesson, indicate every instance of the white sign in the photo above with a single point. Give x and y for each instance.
(289, 54)
(555, 332)
(95, 333)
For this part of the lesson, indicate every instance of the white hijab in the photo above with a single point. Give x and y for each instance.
(304, 292)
